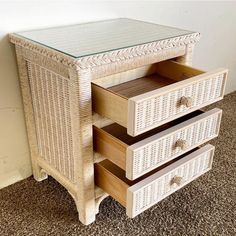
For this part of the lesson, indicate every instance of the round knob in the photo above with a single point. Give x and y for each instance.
(176, 180)
(186, 101)
(183, 144)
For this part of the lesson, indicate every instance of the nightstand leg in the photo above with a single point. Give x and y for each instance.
(85, 208)
(81, 113)
(39, 173)
(100, 196)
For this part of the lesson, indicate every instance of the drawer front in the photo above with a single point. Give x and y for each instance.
(158, 149)
(156, 187)
(155, 108)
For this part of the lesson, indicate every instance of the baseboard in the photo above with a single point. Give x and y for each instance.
(12, 177)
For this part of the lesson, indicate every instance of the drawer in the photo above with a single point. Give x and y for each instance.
(139, 195)
(170, 91)
(141, 154)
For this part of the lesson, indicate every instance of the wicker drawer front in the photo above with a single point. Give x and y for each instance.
(158, 186)
(163, 147)
(141, 195)
(151, 151)
(153, 109)
(180, 90)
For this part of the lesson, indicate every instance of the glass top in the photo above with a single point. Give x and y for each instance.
(98, 37)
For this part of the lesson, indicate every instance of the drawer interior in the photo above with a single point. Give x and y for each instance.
(154, 77)
(111, 178)
(119, 132)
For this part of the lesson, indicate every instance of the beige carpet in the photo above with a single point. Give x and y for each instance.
(205, 207)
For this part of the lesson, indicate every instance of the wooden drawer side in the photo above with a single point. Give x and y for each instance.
(109, 146)
(111, 182)
(109, 105)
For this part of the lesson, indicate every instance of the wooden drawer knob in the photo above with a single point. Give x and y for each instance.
(176, 180)
(186, 101)
(183, 144)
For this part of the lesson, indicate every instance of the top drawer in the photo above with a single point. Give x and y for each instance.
(170, 90)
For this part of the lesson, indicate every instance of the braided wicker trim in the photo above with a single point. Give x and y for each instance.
(92, 61)
(43, 50)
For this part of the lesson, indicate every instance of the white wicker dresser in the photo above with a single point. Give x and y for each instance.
(113, 108)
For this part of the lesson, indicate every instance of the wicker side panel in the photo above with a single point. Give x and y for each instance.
(51, 105)
(156, 153)
(156, 190)
(152, 112)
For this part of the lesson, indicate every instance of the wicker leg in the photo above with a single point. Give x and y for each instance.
(86, 213)
(100, 196)
(38, 173)
(81, 107)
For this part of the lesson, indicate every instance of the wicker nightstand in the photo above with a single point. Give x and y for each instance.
(78, 80)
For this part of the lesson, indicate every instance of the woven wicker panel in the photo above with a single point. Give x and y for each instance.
(164, 149)
(51, 105)
(151, 112)
(158, 189)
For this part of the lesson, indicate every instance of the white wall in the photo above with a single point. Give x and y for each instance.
(217, 48)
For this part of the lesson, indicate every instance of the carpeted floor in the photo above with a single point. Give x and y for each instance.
(205, 207)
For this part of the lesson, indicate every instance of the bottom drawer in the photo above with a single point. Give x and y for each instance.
(139, 195)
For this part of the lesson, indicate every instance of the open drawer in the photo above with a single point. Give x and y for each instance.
(143, 153)
(144, 192)
(170, 90)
